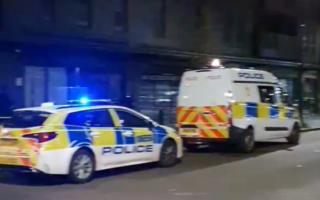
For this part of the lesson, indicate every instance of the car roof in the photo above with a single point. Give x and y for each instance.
(70, 108)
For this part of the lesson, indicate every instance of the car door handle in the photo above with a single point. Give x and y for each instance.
(127, 133)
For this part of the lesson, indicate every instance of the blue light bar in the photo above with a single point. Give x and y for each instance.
(84, 100)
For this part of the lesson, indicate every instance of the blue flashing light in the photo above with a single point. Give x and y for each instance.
(84, 100)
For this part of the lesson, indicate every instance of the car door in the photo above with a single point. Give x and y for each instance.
(95, 128)
(137, 135)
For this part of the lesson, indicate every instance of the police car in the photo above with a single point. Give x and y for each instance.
(79, 140)
(234, 105)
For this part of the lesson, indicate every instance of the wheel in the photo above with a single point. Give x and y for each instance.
(246, 142)
(294, 136)
(191, 147)
(168, 154)
(81, 167)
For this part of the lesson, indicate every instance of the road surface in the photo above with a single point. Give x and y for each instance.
(276, 171)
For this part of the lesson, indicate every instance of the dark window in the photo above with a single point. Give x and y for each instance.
(48, 10)
(121, 15)
(267, 94)
(93, 118)
(199, 15)
(161, 19)
(130, 120)
(82, 10)
(24, 119)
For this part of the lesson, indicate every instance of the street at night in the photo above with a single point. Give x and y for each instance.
(275, 170)
(159, 100)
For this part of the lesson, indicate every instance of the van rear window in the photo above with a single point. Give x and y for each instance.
(25, 119)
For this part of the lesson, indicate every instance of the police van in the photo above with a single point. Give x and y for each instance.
(241, 106)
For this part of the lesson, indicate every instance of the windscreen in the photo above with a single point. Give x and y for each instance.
(25, 119)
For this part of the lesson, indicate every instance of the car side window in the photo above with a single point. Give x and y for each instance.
(93, 118)
(267, 94)
(130, 120)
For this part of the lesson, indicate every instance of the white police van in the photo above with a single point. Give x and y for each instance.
(234, 105)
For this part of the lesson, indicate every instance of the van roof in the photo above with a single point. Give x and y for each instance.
(241, 75)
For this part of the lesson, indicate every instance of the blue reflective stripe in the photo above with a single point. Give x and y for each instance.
(290, 114)
(251, 110)
(158, 135)
(127, 139)
(145, 138)
(119, 138)
(78, 136)
(274, 112)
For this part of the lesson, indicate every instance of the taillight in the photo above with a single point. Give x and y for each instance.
(42, 137)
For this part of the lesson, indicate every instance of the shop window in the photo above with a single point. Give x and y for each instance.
(120, 15)
(82, 12)
(48, 10)
(161, 20)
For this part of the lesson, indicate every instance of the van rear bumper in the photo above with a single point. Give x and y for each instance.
(235, 134)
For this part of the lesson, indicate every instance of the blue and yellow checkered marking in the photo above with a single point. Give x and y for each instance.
(79, 136)
(260, 110)
(251, 110)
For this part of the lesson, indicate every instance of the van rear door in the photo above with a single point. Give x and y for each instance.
(203, 104)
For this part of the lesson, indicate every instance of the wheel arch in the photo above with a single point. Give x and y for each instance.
(164, 141)
(87, 149)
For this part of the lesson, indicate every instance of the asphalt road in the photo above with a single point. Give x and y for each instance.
(275, 171)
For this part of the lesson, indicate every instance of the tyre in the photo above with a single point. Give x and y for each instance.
(82, 167)
(246, 142)
(294, 136)
(168, 154)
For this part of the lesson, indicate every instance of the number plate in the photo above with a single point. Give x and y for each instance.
(189, 131)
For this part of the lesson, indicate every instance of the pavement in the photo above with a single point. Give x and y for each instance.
(275, 171)
(312, 121)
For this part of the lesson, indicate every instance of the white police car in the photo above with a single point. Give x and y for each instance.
(79, 140)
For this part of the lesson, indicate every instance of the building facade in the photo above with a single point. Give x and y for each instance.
(134, 51)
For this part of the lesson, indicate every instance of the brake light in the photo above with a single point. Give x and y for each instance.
(42, 137)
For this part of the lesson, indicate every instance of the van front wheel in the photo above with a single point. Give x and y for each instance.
(246, 141)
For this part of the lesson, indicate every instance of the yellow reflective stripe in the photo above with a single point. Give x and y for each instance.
(224, 132)
(282, 112)
(208, 133)
(56, 119)
(221, 114)
(114, 117)
(60, 142)
(180, 114)
(142, 132)
(209, 119)
(191, 116)
(103, 136)
(238, 110)
(263, 110)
